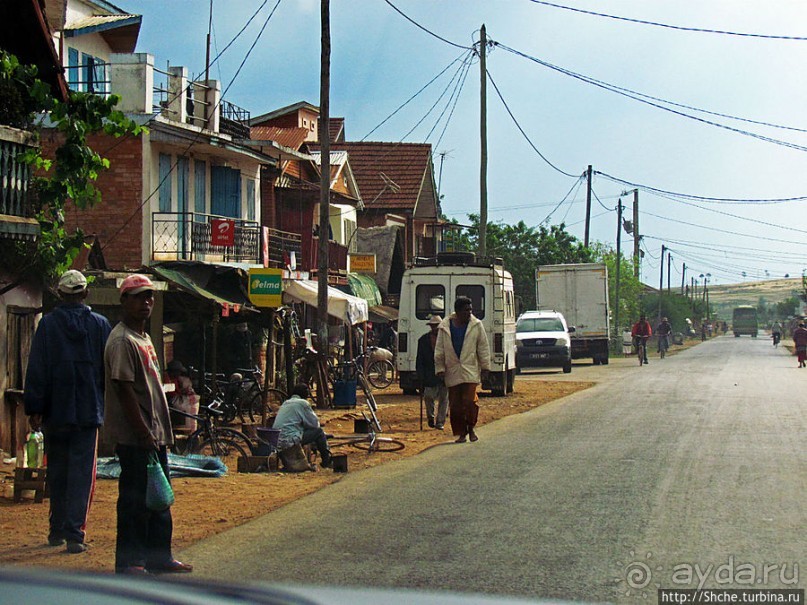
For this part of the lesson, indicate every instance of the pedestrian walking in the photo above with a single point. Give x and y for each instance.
(800, 340)
(462, 360)
(434, 389)
(64, 395)
(138, 423)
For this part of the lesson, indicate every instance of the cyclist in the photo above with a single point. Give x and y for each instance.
(776, 332)
(640, 332)
(664, 333)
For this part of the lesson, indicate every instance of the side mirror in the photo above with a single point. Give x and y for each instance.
(571, 329)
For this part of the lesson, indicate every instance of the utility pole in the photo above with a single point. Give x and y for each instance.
(636, 252)
(207, 112)
(661, 280)
(483, 134)
(588, 205)
(325, 176)
(683, 278)
(669, 262)
(618, 262)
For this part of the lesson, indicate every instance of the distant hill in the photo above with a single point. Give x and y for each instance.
(724, 298)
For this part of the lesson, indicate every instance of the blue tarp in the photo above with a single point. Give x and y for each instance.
(192, 465)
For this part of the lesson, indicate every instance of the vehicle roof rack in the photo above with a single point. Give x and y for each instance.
(454, 259)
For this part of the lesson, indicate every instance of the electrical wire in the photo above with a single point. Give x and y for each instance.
(419, 26)
(453, 108)
(576, 184)
(452, 104)
(600, 201)
(636, 97)
(523, 133)
(668, 26)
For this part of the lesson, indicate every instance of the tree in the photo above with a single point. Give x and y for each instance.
(68, 177)
(524, 248)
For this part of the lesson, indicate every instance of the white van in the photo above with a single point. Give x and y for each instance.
(432, 285)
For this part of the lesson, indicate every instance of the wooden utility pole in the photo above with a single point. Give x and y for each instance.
(661, 280)
(325, 176)
(483, 134)
(618, 262)
(683, 278)
(636, 253)
(588, 206)
(669, 262)
(206, 109)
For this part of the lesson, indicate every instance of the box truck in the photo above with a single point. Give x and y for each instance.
(580, 292)
(431, 286)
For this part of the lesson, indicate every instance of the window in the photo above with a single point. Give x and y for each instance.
(86, 73)
(477, 296)
(165, 183)
(183, 177)
(430, 299)
(199, 186)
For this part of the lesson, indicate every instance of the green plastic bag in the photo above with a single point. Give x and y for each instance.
(159, 495)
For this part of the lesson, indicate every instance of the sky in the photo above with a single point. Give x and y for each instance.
(380, 60)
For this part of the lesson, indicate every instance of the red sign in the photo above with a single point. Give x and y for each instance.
(222, 232)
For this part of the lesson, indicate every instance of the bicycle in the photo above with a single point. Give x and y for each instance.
(663, 345)
(369, 442)
(353, 369)
(250, 400)
(210, 439)
(641, 349)
(379, 371)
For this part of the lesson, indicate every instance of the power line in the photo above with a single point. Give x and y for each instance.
(523, 133)
(576, 184)
(625, 92)
(419, 26)
(668, 26)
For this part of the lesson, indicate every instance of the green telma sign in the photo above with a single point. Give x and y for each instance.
(266, 287)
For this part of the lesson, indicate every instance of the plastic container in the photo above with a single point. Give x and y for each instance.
(34, 449)
(267, 440)
(339, 463)
(344, 394)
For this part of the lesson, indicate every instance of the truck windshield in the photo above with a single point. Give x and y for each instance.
(540, 324)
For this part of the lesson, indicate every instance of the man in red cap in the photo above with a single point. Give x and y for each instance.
(138, 422)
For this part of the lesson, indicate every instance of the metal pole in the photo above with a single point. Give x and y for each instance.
(637, 258)
(325, 176)
(661, 280)
(588, 206)
(618, 262)
(483, 134)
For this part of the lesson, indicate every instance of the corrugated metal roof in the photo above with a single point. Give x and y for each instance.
(96, 20)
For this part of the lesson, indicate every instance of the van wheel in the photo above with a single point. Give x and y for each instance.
(511, 381)
(567, 367)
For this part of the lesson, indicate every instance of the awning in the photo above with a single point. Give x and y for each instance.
(364, 287)
(383, 313)
(17, 227)
(350, 309)
(218, 283)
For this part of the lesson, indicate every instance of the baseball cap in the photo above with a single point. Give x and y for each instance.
(72, 282)
(135, 284)
(434, 320)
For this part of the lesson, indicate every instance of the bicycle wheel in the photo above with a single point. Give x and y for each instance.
(227, 445)
(380, 444)
(264, 413)
(379, 373)
(369, 399)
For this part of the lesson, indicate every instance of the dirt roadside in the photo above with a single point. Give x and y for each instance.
(209, 506)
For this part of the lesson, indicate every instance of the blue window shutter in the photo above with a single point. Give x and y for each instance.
(199, 187)
(86, 73)
(73, 75)
(225, 191)
(183, 176)
(165, 183)
(250, 199)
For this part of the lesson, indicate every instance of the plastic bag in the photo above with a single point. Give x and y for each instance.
(159, 495)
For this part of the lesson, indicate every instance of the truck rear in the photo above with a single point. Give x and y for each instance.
(580, 292)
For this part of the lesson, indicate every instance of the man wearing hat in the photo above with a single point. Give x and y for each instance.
(64, 395)
(138, 423)
(433, 387)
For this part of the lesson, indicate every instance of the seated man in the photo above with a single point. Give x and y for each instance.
(299, 425)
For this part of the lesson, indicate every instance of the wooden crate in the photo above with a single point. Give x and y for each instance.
(257, 464)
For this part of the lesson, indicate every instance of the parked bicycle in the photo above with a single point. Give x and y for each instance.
(369, 442)
(380, 371)
(210, 439)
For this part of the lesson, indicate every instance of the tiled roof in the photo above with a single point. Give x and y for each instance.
(389, 175)
(293, 138)
(336, 130)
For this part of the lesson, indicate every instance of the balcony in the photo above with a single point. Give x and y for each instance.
(16, 211)
(234, 120)
(337, 256)
(282, 245)
(189, 236)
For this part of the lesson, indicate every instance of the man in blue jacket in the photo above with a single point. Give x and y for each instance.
(64, 395)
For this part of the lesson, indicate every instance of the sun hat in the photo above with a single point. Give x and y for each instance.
(135, 284)
(72, 282)
(434, 320)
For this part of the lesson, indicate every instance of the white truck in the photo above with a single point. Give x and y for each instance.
(431, 286)
(580, 292)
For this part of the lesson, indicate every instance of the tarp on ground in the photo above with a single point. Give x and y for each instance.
(350, 309)
(192, 465)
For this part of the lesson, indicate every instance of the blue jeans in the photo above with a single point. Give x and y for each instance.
(144, 536)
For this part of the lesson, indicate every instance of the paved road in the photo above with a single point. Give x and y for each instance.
(690, 464)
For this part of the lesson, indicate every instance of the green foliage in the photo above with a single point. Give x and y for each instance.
(72, 173)
(524, 248)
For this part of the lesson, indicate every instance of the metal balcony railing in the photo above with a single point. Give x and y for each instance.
(188, 236)
(233, 120)
(93, 77)
(282, 245)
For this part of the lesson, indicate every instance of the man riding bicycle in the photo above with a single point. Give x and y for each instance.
(664, 333)
(640, 332)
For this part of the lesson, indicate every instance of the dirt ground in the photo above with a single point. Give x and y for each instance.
(207, 506)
